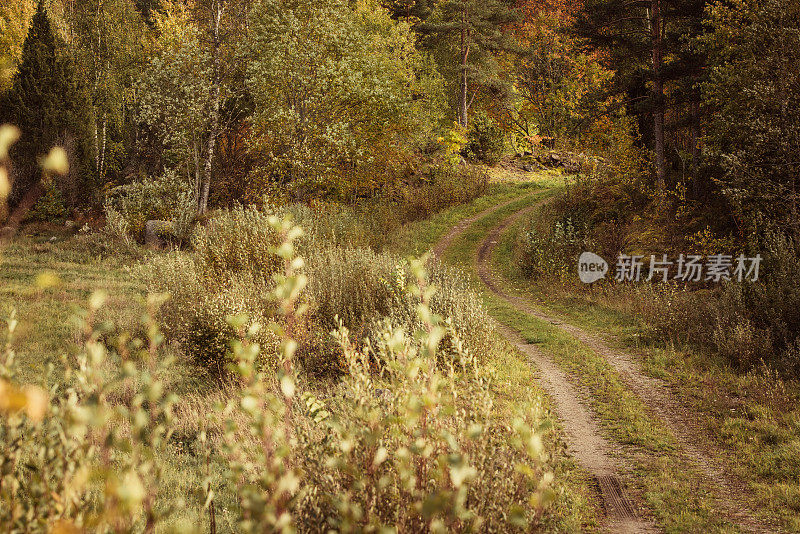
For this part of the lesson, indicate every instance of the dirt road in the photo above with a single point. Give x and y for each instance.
(595, 453)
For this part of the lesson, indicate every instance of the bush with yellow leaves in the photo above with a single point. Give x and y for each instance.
(413, 446)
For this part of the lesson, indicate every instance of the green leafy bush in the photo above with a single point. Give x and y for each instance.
(166, 197)
(367, 94)
(51, 206)
(760, 322)
(551, 252)
(486, 141)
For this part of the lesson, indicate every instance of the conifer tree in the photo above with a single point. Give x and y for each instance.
(649, 45)
(466, 36)
(45, 103)
(753, 92)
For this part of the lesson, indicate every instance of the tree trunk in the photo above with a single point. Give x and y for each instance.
(96, 143)
(462, 97)
(795, 222)
(198, 175)
(202, 207)
(102, 161)
(656, 25)
(696, 145)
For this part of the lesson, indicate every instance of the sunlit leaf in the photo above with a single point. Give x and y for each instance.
(56, 161)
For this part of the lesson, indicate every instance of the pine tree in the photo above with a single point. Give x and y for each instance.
(649, 44)
(414, 11)
(466, 36)
(754, 93)
(44, 102)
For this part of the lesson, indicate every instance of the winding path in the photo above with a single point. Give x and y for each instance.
(590, 449)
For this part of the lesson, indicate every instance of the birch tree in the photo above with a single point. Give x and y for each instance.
(109, 41)
(184, 86)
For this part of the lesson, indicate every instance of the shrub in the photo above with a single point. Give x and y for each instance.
(415, 447)
(51, 206)
(237, 240)
(749, 323)
(334, 224)
(361, 289)
(229, 272)
(371, 221)
(166, 197)
(454, 141)
(551, 252)
(760, 321)
(674, 312)
(486, 141)
(441, 186)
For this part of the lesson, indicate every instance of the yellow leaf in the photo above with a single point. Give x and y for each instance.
(30, 399)
(287, 387)
(5, 185)
(62, 526)
(8, 136)
(36, 402)
(56, 161)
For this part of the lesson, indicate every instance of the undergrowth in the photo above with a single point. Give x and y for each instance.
(406, 438)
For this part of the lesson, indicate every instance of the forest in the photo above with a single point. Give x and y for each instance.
(399, 266)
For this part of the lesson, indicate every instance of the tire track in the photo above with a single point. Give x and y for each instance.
(584, 440)
(654, 393)
(446, 240)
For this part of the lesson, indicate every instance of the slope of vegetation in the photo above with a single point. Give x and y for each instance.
(211, 318)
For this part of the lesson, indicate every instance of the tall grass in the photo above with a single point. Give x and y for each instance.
(405, 439)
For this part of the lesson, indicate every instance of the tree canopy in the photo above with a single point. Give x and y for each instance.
(352, 99)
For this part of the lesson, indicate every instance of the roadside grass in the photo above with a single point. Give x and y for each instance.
(576, 507)
(419, 237)
(753, 417)
(47, 331)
